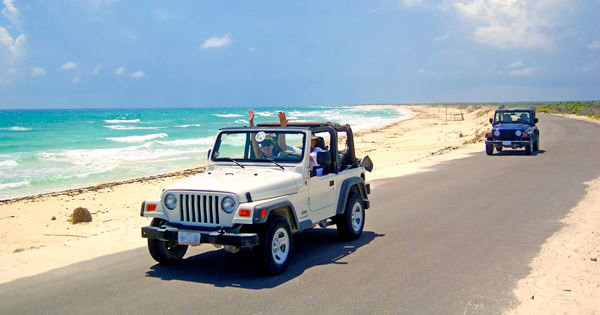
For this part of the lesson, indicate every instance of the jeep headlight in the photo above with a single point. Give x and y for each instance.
(228, 204)
(497, 133)
(518, 133)
(170, 201)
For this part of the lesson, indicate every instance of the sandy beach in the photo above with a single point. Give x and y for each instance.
(37, 236)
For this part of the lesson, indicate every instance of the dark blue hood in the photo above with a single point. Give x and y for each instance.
(511, 126)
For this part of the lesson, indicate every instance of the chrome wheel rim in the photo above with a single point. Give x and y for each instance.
(357, 217)
(280, 246)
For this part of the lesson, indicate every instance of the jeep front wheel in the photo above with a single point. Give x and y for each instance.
(489, 149)
(529, 149)
(350, 223)
(275, 245)
(165, 252)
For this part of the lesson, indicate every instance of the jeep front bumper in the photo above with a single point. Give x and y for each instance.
(509, 143)
(197, 237)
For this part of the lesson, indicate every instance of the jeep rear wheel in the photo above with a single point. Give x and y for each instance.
(350, 224)
(165, 252)
(275, 246)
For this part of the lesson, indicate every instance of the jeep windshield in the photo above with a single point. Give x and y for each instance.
(513, 116)
(259, 146)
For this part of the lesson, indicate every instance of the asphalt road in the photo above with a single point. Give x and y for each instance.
(453, 240)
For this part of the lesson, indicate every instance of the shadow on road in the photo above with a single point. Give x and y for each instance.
(517, 153)
(311, 248)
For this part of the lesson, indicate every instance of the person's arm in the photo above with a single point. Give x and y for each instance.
(251, 117)
(257, 151)
(281, 138)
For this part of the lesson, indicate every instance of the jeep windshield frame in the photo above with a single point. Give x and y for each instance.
(514, 116)
(262, 145)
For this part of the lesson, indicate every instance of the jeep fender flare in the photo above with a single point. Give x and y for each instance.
(352, 185)
(285, 208)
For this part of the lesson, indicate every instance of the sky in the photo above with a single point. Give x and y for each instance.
(160, 54)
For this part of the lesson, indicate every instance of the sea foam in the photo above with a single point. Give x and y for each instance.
(138, 138)
(119, 121)
(228, 115)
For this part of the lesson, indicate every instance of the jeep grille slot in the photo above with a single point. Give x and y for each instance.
(507, 135)
(199, 208)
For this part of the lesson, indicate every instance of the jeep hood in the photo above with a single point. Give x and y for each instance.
(260, 183)
(512, 125)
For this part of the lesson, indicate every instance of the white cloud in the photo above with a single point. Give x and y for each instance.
(410, 3)
(137, 74)
(594, 45)
(215, 42)
(510, 24)
(526, 71)
(10, 12)
(589, 67)
(516, 64)
(97, 69)
(431, 73)
(97, 4)
(76, 80)
(69, 66)
(37, 71)
(120, 70)
(14, 45)
(440, 39)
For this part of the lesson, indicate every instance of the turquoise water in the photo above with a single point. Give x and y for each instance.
(54, 150)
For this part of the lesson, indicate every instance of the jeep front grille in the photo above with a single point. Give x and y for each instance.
(507, 135)
(199, 208)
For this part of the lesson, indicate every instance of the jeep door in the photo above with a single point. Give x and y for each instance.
(322, 188)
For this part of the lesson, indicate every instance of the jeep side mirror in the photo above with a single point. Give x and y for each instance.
(535, 121)
(491, 120)
(367, 163)
(208, 156)
(323, 158)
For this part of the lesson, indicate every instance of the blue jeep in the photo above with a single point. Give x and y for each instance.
(513, 127)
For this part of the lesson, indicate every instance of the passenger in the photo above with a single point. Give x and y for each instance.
(313, 151)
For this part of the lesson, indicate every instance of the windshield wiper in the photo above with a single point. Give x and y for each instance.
(234, 161)
(281, 167)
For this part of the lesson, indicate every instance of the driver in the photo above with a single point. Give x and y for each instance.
(268, 148)
(523, 118)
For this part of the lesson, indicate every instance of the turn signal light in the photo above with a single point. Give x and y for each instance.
(525, 135)
(488, 135)
(150, 207)
(245, 213)
(263, 213)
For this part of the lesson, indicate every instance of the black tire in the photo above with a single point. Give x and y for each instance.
(275, 246)
(165, 252)
(536, 145)
(489, 149)
(499, 149)
(528, 149)
(350, 224)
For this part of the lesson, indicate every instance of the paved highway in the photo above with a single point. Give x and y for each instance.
(452, 240)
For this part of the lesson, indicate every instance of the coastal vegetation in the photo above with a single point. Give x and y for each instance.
(585, 108)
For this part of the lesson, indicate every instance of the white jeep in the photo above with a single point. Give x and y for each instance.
(247, 198)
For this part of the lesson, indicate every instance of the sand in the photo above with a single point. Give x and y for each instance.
(37, 236)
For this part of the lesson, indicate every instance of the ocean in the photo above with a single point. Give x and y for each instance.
(44, 151)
